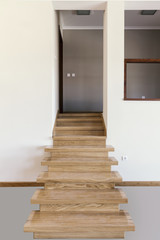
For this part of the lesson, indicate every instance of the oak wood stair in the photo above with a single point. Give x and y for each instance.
(79, 199)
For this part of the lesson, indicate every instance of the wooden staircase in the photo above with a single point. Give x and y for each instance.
(79, 199)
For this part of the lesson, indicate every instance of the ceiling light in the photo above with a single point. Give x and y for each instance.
(148, 12)
(83, 12)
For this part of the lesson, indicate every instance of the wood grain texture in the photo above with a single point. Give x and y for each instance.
(71, 177)
(80, 115)
(76, 154)
(79, 168)
(80, 143)
(21, 184)
(118, 184)
(92, 186)
(139, 184)
(107, 148)
(82, 222)
(80, 235)
(80, 124)
(79, 161)
(62, 196)
(84, 119)
(144, 60)
(79, 132)
(80, 128)
(81, 207)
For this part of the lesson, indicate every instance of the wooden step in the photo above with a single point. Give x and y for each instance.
(75, 186)
(79, 141)
(79, 200)
(79, 133)
(82, 130)
(107, 148)
(79, 165)
(80, 235)
(79, 115)
(78, 223)
(78, 119)
(81, 207)
(79, 151)
(79, 123)
(112, 196)
(71, 177)
(75, 168)
(79, 161)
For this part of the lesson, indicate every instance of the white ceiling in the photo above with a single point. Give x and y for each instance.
(134, 20)
(70, 20)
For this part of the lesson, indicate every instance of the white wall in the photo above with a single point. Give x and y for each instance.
(28, 86)
(105, 66)
(133, 126)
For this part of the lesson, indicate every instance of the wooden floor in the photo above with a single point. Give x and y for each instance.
(79, 199)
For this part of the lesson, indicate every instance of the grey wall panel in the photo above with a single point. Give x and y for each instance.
(83, 55)
(142, 44)
(143, 80)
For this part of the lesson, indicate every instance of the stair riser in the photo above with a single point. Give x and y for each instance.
(80, 143)
(49, 161)
(80, 123)
(93, 208)
(80, 115)
(58, 154)
(81, 133)
(80, 235)
(80, 186)
(76, 168)
(79, 119)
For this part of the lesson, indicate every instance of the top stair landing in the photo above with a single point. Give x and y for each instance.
(79, 124)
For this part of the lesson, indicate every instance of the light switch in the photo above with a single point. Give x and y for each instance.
(73, 74)
(68, 74)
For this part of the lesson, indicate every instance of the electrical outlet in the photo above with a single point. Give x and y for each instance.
(124, 158)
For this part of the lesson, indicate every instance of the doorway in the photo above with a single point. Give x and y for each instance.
(81, 61)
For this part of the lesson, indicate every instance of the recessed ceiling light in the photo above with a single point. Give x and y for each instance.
(148, 12)
(83, 12)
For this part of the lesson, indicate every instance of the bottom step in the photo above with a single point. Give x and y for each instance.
(80, 235)
(78, 225)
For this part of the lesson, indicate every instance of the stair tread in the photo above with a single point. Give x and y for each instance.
(43, 196)
(79, 177)
(79, 138)
(79, 114)
(74, 222)
(84, 119)
(80, 148)
(75, 161)
(78, 128)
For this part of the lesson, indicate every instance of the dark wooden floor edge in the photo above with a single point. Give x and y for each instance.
(138, 184)
(21, 184)
(120, 184)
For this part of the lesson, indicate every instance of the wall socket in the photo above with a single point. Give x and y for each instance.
(124, 158)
